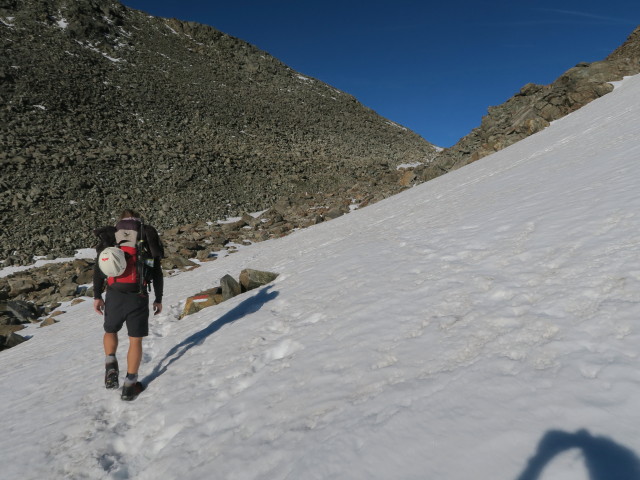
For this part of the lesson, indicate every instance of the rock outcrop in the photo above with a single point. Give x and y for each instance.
(534, 107)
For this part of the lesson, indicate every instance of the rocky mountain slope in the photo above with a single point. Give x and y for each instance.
(103, 106)
(535, 106)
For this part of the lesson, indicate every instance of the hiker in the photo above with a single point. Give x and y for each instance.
(129, 256)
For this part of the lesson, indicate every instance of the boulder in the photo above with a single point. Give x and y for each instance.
(250, 279)
(85, 276)
(48, 321)
(202, 300)
(335, 212)
(25, 312)
(11, 340)
(249, 220)
(8, 318)
(68, 288)
(177, 261)
(205, 256)
(407, 178)
(49, 309)
(230, 287)
(6, 330)
(21, 286)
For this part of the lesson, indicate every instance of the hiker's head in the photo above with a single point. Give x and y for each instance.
(129, 213)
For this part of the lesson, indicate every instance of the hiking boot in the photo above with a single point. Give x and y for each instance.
(111, 375)
(130, 392)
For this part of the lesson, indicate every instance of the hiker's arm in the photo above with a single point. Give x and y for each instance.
(98, 285)
(158, 280)
(98, 282)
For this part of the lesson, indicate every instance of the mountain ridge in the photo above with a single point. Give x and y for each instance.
(132, 104)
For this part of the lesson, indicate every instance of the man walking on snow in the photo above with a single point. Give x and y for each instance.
(128, 261)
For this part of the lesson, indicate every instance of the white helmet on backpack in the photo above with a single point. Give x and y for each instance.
(112, 261)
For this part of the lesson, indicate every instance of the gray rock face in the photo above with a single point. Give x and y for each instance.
(103, 107)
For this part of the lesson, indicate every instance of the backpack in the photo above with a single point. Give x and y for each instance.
(140, 244)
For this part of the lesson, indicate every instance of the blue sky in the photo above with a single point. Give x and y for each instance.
(433, 67)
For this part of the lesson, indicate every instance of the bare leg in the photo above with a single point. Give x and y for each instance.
(110, 343)
(134, 357)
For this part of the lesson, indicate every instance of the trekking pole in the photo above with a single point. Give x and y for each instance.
(140, 260)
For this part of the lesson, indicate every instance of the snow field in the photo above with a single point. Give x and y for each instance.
(437, 334)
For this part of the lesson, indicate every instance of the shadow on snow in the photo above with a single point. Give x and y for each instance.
(250, 305)
(604, 458)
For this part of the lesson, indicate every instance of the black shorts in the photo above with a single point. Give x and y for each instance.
(131, 308)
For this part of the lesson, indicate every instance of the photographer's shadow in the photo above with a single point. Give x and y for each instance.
(250, 305)
(604, 458)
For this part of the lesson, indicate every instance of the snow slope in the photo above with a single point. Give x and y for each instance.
(440, 334)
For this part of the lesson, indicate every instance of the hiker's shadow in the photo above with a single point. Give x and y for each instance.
(604, 458)
(250, 305)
